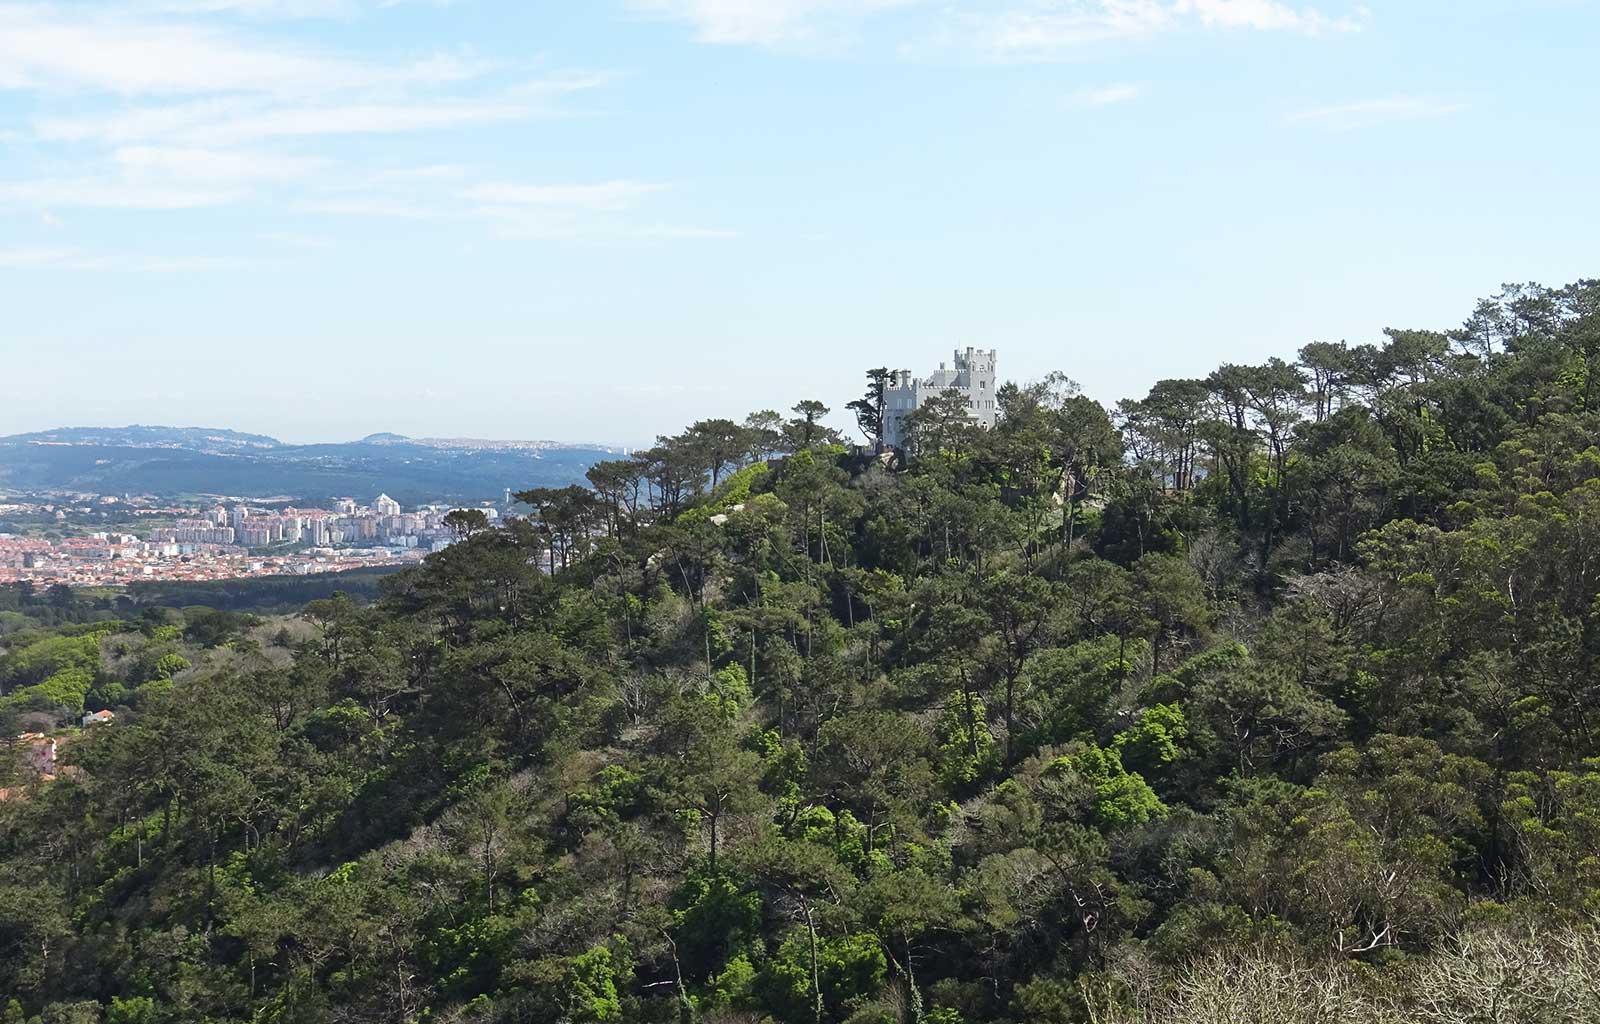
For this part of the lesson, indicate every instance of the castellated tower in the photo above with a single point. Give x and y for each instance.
(972, 374)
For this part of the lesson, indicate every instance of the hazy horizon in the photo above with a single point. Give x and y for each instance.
(566, 442)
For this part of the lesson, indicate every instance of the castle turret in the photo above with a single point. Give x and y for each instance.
(972, 374)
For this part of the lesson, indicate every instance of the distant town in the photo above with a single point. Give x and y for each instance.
(63, 539)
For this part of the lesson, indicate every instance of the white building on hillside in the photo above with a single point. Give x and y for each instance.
(972, 376)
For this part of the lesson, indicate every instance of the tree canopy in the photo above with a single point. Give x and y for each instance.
(1270, 695)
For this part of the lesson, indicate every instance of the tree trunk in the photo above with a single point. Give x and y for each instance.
(816, 973)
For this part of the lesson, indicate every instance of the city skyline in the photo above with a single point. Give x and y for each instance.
(220, 541)
(323, 218)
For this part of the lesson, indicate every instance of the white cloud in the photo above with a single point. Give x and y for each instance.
(257, 8)
(169, 105)
(1365, 113)
(1045, 28)
(74, 259)
(112, 193)
(60, 49)
(228, 120)
(1037, 29)
(672, 231)
(210, 165)
(282, 8)
(431, 172)
(162, 178)
(597, 212)
(768, 22)
(1106, 95)
(1269, 15)
(1002, 28)
(295, 240)
(601, 212)
(608, 195)
(173, 113)
(372, 206)
(567, 226)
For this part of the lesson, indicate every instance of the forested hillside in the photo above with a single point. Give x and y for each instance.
(1271, 696)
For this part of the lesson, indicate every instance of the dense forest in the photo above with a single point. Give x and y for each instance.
(25, 605)
(1270, 696)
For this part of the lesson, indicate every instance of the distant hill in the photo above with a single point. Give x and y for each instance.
(206, 461)
(199, 439)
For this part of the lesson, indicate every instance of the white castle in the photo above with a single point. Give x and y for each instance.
(973, 377)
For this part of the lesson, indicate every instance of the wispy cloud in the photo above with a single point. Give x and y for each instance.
(1010, 29)
(67, 49)
(1341, 117)
(521, 225)
(115, 193)
(428, 172)
(257, 8)
(592, 212)
(671, 231)
(75, 259)
(185, 164)
(1043, 29)
(282, 8)
(296, 240)
(608, 195)
(174, 109)
(1270, 15)
(600, 212)
(395, 208)
(1106, 95)
(769, 22)
(1047, 28)
(227, 120)
(162, 178)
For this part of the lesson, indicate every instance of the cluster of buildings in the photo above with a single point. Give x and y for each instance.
(226, 542)
(348, 524)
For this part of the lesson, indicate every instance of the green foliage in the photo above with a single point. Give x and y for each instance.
(39, 661)
(849, 968)
(593, 976)
(467, 958)
(1276, 679)
(734, 987)
(1554, 817)
(1120, 797)
(967, 752)
(1152, 743)
(66, 689)
(137, 1010)
(15, 622)
(714, 917)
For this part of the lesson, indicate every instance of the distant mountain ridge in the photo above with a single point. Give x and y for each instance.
(136, 436)
(173, 461)
(217, 438)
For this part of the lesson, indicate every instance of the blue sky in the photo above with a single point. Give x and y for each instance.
(597, 219)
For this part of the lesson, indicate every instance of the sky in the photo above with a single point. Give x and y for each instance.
(598, 220)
